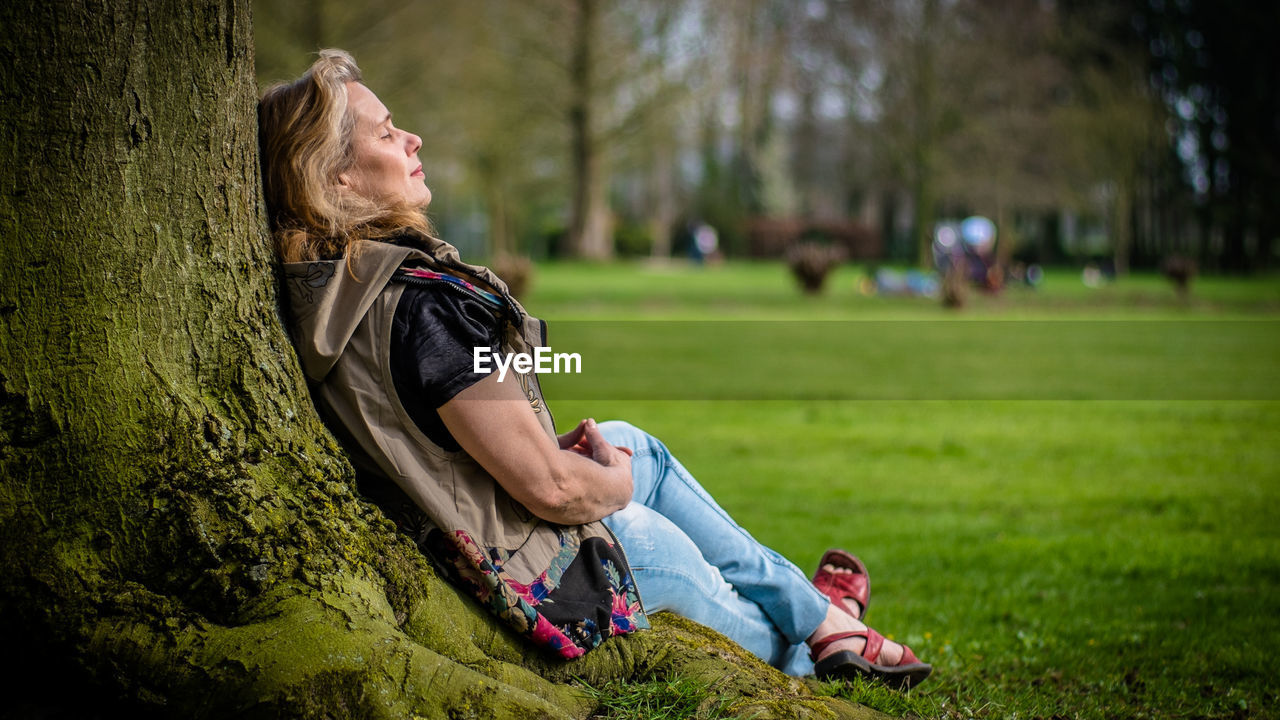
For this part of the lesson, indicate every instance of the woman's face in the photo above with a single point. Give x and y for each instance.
(386, 167)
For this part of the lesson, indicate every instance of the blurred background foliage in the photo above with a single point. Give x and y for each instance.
(1122, 133)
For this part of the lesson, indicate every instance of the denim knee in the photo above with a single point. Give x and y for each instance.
(652, 542)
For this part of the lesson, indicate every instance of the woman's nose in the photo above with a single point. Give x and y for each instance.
(415, 143)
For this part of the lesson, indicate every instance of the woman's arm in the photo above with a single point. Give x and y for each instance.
(580, 479)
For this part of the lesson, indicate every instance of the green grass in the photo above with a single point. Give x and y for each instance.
(762, 290)
(1053, 552)
(932, 359)
(676, 699)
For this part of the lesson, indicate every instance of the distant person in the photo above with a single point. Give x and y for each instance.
(559, 536)
(969, 249)
(1091, 276)
(706, 243)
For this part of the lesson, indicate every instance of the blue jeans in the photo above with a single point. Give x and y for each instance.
(689, 557)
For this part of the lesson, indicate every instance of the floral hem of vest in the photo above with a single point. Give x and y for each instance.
(600, 599)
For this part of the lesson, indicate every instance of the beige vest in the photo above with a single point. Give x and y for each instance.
(341, 316)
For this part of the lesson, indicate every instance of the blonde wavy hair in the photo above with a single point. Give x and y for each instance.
(305, 139)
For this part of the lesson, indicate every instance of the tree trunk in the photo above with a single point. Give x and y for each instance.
(925, 137)
(662, 196)
(1007, 237)
(1122, 227)
(491, 175)
(175, 521)
(923, 216)
(589, 235)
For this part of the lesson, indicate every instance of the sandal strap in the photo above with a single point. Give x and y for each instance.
(854, 585)
(908, 657)
(816, 649)
(875, 641)
(842, 586)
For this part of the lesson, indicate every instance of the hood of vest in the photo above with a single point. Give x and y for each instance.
(327, 299)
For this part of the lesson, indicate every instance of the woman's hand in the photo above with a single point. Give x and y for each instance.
(577, 441)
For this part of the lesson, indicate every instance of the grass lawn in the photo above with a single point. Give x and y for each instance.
(1068, 499)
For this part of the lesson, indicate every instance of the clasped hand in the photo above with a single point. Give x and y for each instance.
(586, 440)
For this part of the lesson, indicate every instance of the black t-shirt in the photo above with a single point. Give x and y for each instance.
(434, 333)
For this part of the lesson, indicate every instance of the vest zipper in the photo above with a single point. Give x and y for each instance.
(454, 287)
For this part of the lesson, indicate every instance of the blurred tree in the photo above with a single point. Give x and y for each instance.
(828, 59)
(737, 116)
(648, 158)
(496, 97)
(1004, 154)
(600, 70)
(918, 101)
(969, 110)
(1215, 65)
(520, 102)
(1110, 124)
(551, 117)
(589, 221)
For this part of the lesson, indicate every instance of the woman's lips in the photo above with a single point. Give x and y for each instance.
(417, 172)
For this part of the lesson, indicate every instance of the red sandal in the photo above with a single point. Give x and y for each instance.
(847, 664)
(855, 586)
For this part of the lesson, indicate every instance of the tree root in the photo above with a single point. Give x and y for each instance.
(339, 653)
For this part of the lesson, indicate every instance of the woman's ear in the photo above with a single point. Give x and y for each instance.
(344, 180)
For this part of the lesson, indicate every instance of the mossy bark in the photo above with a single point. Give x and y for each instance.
(174, 520)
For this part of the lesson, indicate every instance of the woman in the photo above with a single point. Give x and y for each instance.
(386, 318)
